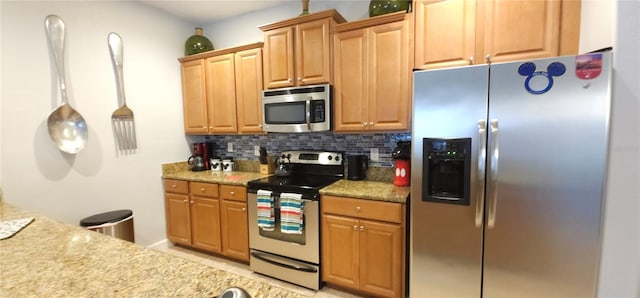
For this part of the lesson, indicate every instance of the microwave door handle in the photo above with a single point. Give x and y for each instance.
(308, 106)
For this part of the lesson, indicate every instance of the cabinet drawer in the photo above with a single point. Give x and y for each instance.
(176, 186)
(384, 211)
(234, 193)
(203, 189)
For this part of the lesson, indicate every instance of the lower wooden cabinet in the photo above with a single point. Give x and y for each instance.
(363, 245)
(208, 217)
(235, 231)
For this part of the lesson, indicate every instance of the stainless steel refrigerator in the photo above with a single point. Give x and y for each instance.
(509, 167)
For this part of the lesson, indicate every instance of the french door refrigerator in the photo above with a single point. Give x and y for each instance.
(509, 164)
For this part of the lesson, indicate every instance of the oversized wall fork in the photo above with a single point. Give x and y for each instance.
(124, 128)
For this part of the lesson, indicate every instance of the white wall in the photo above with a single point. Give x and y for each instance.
(37, 176)
(597, 25)
(244, 29)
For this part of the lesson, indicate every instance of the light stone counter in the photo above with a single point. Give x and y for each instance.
(180, 171)
(51, 259)
(380, 191)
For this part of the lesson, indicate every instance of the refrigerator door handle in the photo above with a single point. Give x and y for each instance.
(493, 179)
(482, 162)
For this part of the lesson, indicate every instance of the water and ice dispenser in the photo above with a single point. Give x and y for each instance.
(446, 170)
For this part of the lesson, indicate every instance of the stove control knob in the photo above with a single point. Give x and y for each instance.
(337, 157)
(283, 156)
(329, 157)
(289, 156)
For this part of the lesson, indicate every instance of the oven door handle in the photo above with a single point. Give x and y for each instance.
(265, 258)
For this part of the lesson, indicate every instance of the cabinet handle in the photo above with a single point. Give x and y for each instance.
(361, 228)
(300, 79)
(231, 193)
(289, 80)
(191, 202)
(185, 201)
(244, 209)
(470, 59)
(371, 123)
(202, 189)
(488, 58)
(358, 208)
(364, 124)
(355, 228)
(174, 186)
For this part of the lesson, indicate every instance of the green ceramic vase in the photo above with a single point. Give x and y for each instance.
(380, 7)
(197, 43)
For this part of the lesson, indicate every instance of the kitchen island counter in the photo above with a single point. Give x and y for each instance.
(379, 191)
(51, 259)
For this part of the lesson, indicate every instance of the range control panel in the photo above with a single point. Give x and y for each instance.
(312, 157)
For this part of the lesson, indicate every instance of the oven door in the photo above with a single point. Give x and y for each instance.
(305, 246)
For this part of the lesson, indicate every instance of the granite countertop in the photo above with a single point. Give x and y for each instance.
(180, 171)
(379, 191)
(51, 259)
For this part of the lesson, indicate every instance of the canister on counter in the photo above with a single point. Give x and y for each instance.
(227, 164)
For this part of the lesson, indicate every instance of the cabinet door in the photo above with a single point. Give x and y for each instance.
(194, 97)
(178, 220)
(340, 251)
(313, 53)
(380, 258)
(445, 33)
(351, 97)
(221, 94)
(390, 77)
(235, 235)
(278, 58)
(205, 223)
(518, 29)
(249, 90)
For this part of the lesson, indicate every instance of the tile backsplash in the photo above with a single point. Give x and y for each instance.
(243, 145)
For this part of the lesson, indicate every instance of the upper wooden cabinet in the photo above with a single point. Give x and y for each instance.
(463, 32)
(222, 90)
(373, 74)
(297, 51)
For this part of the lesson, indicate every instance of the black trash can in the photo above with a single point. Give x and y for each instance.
(118, 223)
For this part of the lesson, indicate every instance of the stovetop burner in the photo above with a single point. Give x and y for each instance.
(310, 171)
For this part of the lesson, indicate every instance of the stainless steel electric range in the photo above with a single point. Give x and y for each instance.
(276, 251)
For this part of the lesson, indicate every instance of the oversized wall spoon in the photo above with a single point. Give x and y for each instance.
(67, 129)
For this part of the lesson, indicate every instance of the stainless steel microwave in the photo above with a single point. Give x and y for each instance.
(297, 109)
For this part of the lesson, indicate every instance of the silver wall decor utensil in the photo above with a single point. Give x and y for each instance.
(67, 129)
(122, 122)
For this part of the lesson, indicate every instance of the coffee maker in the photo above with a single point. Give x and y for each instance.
(200, 154)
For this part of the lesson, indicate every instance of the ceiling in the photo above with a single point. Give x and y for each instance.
(203, 12)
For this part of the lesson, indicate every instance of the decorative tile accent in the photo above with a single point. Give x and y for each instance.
(277, 142)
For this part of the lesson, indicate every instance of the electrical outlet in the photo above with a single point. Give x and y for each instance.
(256, 150)
(375, 156)
(229, 147)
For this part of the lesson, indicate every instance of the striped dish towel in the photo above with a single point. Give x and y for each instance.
(291, 213)
(266, 218)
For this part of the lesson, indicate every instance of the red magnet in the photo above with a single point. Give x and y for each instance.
(588, 66)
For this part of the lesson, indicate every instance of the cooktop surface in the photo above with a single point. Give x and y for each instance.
(294, 182)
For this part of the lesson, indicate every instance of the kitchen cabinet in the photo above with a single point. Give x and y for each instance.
(452, 33)
(363, 245)
(298, 51)
(222, 91)
(373, 74)
(208, 216)
(235, 220)
(192, 214)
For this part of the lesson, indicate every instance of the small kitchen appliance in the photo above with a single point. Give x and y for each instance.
(357, 166)
(293, 257)
(197, 163)
(402, 157)
(509, 166)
